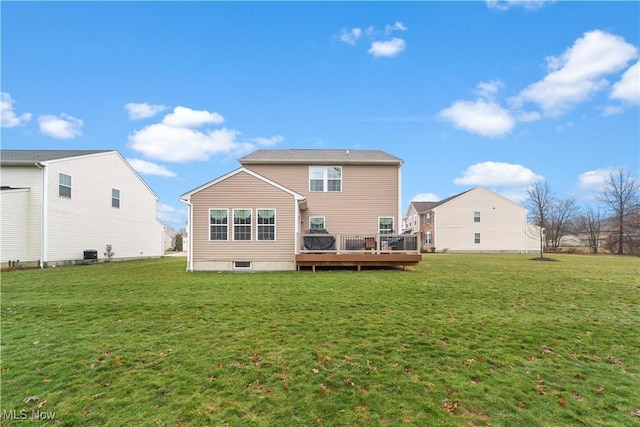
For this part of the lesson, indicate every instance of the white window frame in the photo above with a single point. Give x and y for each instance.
(324, 222)
(115, 199)
(476, 238)
(427, 218)
(258, 225)
(61, 185)
(219, 225)
(325, 179)
(392, 230)
(476, 216)
(428, 238)
(243, 225)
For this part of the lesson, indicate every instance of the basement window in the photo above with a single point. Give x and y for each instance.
(242, 265)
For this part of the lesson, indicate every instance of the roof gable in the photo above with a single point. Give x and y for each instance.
(186, 196)
(311, 156)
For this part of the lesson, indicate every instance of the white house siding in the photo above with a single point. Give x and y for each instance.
(243, 191)
(502, 227)
(88, 221)
(369, 191)
(25, 178)
(15, 242)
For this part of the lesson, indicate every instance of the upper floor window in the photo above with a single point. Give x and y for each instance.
(64, 185)
(427, 218)
(218, 224)
(476, 216)
(115, 198)
(385, 225)
(242, 224)
(266, 224)
(325, 178)
(477, 237)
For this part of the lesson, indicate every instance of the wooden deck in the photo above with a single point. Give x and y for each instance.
(358, 260)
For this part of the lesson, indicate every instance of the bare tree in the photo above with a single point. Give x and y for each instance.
(621, 197)
(539, 203)
(562, 214)
(591, 223)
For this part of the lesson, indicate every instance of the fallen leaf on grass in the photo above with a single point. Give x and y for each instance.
(562, 403)
(97, 395)
(635, 413)
(46, 380)
(212, 379)
(613, 360)
(116, 361)
(30, 399)
(41, 404)
(577, 395)
(521, 405)
(450, 407)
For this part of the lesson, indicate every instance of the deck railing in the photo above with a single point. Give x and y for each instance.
(358, 243)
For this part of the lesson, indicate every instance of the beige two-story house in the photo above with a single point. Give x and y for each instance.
(282, 209)
(476, 220)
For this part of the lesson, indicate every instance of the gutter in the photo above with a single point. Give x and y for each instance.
(189, 233)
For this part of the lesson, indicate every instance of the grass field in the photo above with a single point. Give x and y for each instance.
(461, 340)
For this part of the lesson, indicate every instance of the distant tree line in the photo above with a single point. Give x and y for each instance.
(614, 223)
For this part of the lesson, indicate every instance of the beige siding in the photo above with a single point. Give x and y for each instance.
(31, 178)
(502, 226)
(368, 192)
(15, 241)
(242, 191)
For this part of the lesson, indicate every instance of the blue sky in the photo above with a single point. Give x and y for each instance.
(498, 94)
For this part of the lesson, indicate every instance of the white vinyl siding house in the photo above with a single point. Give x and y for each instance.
(477, 220)
(71, 207)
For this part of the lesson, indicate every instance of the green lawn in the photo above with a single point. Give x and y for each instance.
(467, 340)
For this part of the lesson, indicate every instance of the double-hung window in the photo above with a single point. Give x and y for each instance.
(476, 216)
(115, 198)
(476, 237)
(427, 238)
(218, 224)
(385, 225)
(325, 178)
(64, 185)
(242, 224)
(316, 223)
(266, 224)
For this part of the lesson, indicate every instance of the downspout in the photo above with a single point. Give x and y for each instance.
(44, 222)
(189, 233)
(399, 198)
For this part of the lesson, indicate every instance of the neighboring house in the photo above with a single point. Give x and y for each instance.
(62, 206)
(477, 220)
(168, 239)
(256, 217)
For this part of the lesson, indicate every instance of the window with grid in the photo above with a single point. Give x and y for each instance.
(385, 225)
(477, 237)
(242, 224)
(427, 238)
(115, 198)
(316, 223)
(476, 217)
(325, 178)
(219, 224)
(64, 185)
(266, 224)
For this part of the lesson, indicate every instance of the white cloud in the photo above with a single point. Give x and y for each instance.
(579, 72)
(186, 117)
(508, 4)
(351, 36)
(170, 215)
(267, 142)
(63, 126)
(426, 197)
(485, 118)
(397, 26)
(611, 110)
(143, 110)
(497, 174)
(387, 48)
(528, 116)
(487, 90)
(628, 88)
(594, 180)
(8, 117)
(144, 167)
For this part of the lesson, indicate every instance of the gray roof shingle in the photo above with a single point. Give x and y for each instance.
(22, 157)
(427, 206)
(311, 156)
